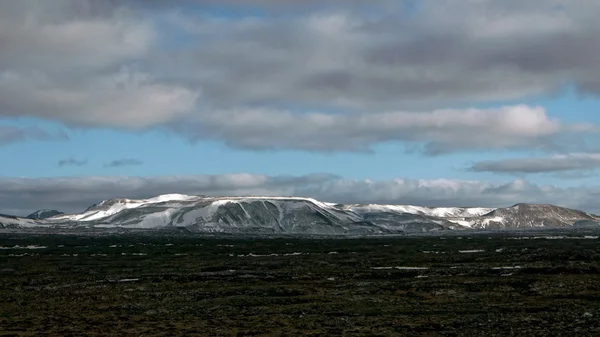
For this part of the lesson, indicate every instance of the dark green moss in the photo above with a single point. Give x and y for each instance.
(194, 285)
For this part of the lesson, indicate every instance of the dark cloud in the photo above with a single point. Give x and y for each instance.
(430, 58)
(253, 4)
(24, 195)
(72, 162)
(123, 162)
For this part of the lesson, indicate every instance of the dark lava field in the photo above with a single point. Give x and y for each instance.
(488, 284)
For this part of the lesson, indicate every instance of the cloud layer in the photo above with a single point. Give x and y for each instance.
(24, 195)
(556, 163)
(439, 131)
(74, 61)
(319, 76)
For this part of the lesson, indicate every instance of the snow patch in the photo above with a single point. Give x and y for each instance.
(400, 268)
(24, 247)
(506, 268)
(411, 268)
(442, 212)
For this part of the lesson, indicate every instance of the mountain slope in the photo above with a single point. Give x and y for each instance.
(43, 214)
(295, 215)
(243, 214)
(441, 212)
(531, 216)
(9, 221)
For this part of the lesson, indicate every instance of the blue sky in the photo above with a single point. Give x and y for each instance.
(163, 153)
(488, 108)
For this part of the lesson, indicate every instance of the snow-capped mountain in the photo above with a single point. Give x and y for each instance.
(530, 215)
(239, 214)
(9, 221)
(295, 215)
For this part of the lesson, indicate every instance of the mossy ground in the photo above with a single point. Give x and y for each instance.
(136, 285)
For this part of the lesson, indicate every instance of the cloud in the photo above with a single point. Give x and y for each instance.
(72, 162)
(11, 134)
(74, 194)
(439, 131)
(252, 4)
(75, 62)
(123, 162)
(161, 65)
(496, 50)
(552, 164)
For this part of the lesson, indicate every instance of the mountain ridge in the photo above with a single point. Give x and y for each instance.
(298, 215)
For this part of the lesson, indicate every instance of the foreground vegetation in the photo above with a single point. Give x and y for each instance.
(141, 285)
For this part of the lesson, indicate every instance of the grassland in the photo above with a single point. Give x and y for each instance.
(143, 285)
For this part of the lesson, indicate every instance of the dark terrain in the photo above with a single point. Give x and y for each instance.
(178, 285)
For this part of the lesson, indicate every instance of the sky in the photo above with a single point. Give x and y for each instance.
(434, 103)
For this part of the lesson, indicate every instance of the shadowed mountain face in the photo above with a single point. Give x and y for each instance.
(43, 214)
(296, 216)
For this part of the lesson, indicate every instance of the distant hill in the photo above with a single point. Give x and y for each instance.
(43, 214)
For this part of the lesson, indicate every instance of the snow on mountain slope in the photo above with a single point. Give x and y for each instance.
(7, 221)
(214, 214)
(531, 216)
(110, 207)
(441, 212)
(265, 214)
(296, 215)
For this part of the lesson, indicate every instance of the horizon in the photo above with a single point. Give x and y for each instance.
(481, 103)
(278, 197)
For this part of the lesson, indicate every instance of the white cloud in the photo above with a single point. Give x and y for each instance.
(124, 99)
(440, 131)
(69, 61)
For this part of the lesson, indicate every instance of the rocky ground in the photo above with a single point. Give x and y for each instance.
(139, 285)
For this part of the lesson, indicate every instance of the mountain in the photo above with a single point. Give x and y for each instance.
(242, 214)
(295, 215)
(9, 221)
(43, 214)
(530, 216)
(442, 212)
(408, 218)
